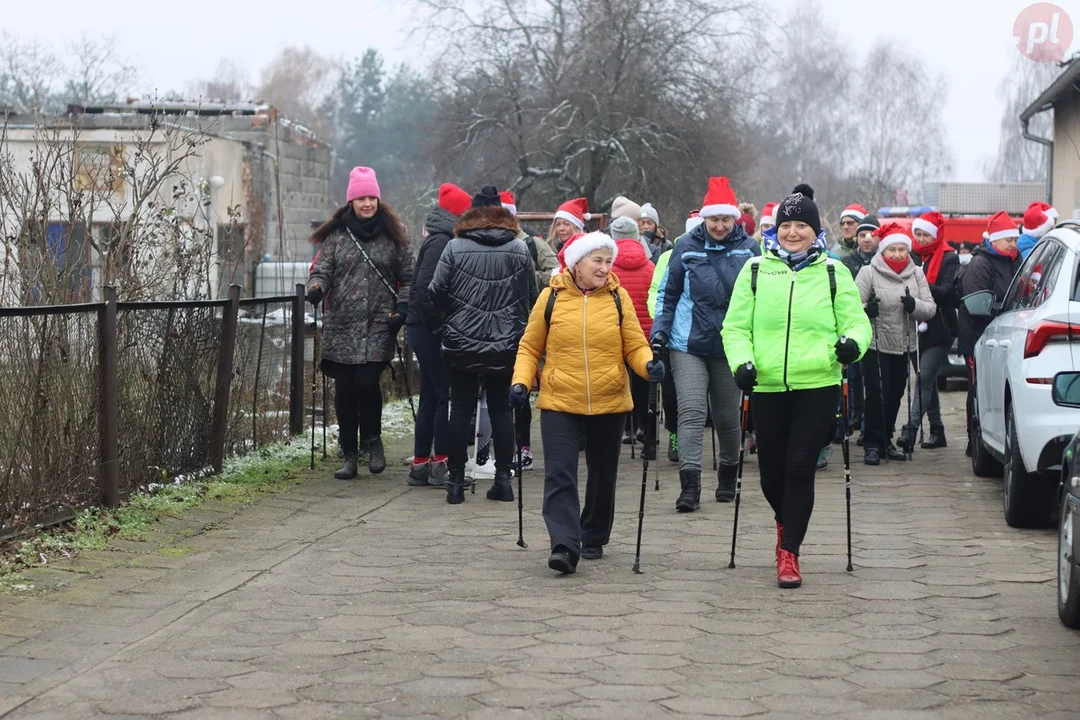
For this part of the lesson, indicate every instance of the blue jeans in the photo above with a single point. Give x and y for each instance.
(433, 415)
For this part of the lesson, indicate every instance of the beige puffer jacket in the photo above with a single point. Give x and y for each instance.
(890, 336)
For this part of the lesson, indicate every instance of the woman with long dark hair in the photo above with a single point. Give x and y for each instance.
(364, 272)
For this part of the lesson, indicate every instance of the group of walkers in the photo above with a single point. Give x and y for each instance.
(733, 307)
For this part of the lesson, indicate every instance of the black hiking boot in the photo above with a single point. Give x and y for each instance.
(377, 460)
(906, 442)
(348, 470)
(562, 561)
(872, 456)
(894, 453)
(726, 478)
(690, 499)
(592, 552)
(419, 474)
(502, 490)
(936, 439)
(455, 487)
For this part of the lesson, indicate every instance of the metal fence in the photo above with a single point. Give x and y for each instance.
(98, 400)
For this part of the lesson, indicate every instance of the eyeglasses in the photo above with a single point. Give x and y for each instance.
(846, 223)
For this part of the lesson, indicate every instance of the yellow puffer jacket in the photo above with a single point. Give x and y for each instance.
(587, 349)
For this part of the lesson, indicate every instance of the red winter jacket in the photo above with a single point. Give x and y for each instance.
(635, 272)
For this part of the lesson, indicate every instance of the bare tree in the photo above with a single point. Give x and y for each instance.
(1018, 159)
(587, 97)
(230, 84)
(28, 72)
(296, 82)
(96, 73)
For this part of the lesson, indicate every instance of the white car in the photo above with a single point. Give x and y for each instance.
(1019, 432)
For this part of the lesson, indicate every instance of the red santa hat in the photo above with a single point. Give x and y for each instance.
(931, 223)
(720, 200)
(453, 199)
(580, 247)
(855, 210)
(509, 202)
(575, 212)
(893, 234)
(1038, 220)
(768, 215)
(1001, 226)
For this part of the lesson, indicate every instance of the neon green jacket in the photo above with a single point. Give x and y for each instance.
(791, 337)
(657, 279)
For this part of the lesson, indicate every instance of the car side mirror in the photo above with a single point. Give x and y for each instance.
(979, 304)
(1066, 389)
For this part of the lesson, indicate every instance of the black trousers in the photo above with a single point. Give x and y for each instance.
(893, 373)
(433, 415)
(358, 401)
(562, 433)
(464, 392)
(792, 427)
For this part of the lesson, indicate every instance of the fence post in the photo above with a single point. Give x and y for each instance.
(296, 382)
(226, 354)
(108, 402)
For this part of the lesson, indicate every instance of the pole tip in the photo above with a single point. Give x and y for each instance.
(637, 569)
(731, 565)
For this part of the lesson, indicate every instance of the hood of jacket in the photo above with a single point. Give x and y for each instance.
(441, 222)
(492, 226)
(631, 254)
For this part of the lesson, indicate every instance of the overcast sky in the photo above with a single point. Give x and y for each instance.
(969, 40)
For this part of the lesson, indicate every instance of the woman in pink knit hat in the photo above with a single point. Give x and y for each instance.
(362, 274)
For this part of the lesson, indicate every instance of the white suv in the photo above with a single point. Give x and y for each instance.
(1019, 431)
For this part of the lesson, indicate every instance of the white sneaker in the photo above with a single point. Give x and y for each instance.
(470, 467)
(485, 471)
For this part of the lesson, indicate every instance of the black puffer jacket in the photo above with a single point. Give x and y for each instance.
(987, 271)
(941, 329)
(484, 283)
(440, 231)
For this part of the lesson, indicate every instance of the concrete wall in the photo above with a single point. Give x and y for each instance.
(1067, 156)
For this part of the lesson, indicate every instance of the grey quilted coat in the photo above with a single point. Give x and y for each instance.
(357, 303)
(890, 334)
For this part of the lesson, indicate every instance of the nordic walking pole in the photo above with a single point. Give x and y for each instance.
(405, 374)
(918, 386)
(744, 414)
(712, 432)
(521, 516)
(847, 460)
(907, 367)
(325, 414)
(656, 434)
(645, 466)
(314, 376)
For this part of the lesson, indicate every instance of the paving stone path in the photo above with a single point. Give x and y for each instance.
(371, 599)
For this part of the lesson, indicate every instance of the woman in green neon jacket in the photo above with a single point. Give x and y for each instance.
(787, 334)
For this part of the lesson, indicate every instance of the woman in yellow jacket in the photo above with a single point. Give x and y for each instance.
(586, 325)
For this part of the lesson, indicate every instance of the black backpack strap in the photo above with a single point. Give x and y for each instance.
(550, 307)
(754, 268)
(831, 267)
(618, 304)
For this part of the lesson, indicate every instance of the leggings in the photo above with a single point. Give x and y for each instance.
(791, 429)
(357, 401)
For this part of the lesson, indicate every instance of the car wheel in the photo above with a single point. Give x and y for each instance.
(1068, 575)
(983, 464)
(1029, 498)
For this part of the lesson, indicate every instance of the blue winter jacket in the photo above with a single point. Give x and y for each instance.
(696, 289)
(1025, 244)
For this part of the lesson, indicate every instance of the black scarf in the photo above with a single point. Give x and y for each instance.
(364, 229)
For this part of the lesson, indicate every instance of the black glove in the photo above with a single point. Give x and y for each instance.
(847, 351)
(746, 377)
(659, 339)
(656, 371)
(873, 307)
(315, 294)
(397, 318)
(908, 301)
(519, 395)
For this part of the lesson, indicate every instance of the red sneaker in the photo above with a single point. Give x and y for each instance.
(787, 570)
(779, 539)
